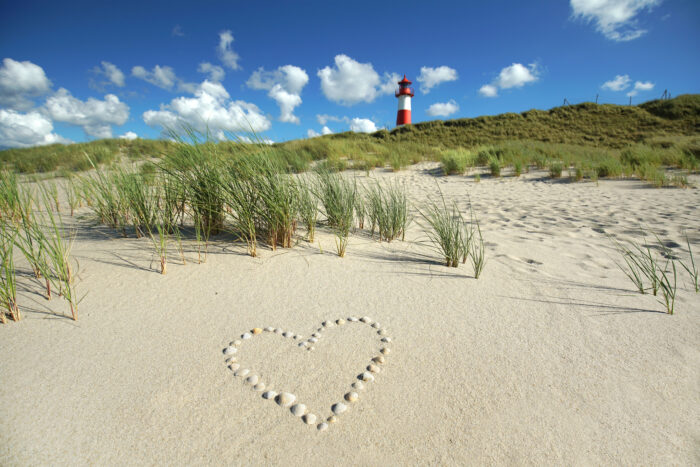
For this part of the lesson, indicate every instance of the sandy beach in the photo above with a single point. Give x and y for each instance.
(550, 357)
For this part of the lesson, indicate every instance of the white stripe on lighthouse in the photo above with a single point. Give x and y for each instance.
(404, 102)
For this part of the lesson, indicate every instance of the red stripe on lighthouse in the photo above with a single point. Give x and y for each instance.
(403, 117)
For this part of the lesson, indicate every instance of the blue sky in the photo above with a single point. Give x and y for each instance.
(292, 69)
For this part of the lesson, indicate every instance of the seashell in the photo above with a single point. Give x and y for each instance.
(269, 329)
(327, 324)
(277, 331)
(373, 368)
(234, 366)
(269, 395)
(382, 332)
(242, 372)
(311, 349)
(230, 350)
(353, 319)
(384, 350)
(303, 344)
(256, 331)
(231, 360)
(332, 419)
(358, 385)
(296, 336)
(316, 335)
(351, 396)
(285, 399)
(322, 426)
(286, 334)
(339, 408)
(252, 379)
(375, 325)
(366, 319)
(313, 340)
(310, 418)
(367, 377)
(246, 335)
(340, 322)
(386, 339)
(378, 359)
(298, 410)
(237, 342)
(259, 387)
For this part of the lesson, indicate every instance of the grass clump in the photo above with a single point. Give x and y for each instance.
(388, 210)
(555, 169)
(8, 278)
(337, 195)
(456, 161)
(448, 231)
(495, 167)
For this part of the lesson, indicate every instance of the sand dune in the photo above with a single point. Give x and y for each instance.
(551, 357)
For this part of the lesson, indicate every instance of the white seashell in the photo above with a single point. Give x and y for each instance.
(367, 377)
(382, 332)
(332, 419)
(366, 319)
(230, 350)
(340, 322)
(246, 335)
(313, 340)
(339, 408)
(231, 360)
(322, 426)
(358, 385)
(242, 372)
(303, 344)
(353, 319)
(269, 329)
(373, 368)
(351, 397)
(316, 335)
(252, 379)
(378, 359)
(234, 366)
(326, 324)
(277, 331)
(375, 325)
(235, 343)
(285, 399)
(286, 334)
(269, 395)
(312, 348)
(298, 409)
(384, 350)
(386, 339)
(296, 336)
(259, 387)
(310, 418)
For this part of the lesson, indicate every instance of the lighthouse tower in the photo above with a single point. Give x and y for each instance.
(404, 93)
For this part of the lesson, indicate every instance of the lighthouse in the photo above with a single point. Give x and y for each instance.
(404, 93)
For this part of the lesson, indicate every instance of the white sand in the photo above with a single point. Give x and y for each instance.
(549, 358)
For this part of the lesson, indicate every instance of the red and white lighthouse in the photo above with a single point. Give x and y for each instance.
(404, 93)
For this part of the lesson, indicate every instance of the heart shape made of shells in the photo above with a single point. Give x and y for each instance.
(289, 401)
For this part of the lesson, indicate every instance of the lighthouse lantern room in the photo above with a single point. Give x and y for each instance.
(404, 94)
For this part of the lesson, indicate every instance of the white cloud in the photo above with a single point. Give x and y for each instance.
(130, 135)
(431, 77)
(211, 110)
(615, 19)
(226, 54)
(351, 82)
(325, 118)
(362, 125)
(443, 109)
(620, 83)
(164, 77)
(488, 90)
(110, 71)
(643, 86)
(24, 130)
(632, 93)
(216, 73)
(312, 134)
(284, 85)
(20, 81)
(326, 131)
(177, 31)
(516, 75)
(96, 117)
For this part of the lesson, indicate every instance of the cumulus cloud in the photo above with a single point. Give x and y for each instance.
(620, 83)
(443, 109)
(431, 77)
(130, 135)
(312, 134)
(95, 116)
(324, 118)
(362, 125)
(226, 54)
(215, 72)
(516, 75)
(163, 77)
(26, 129)
(615, 19)
(111, 73)
(350, 82)
(21, 81)
(210, 110)
(284, 85)
(326, 131)
(643, 86)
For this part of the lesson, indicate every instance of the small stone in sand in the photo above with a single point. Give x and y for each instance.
(242, 372)
(269, 395)
(246, 335)
(285, 399)
(358, 385)
(259, 387)
(298, 409)
(230, 350)
(378, 359)
(367, 377)
(339, 408)
(322, 426)
(234, 366)
(310, 418)
(256, 331)
(351, 396)
(373, 368)
(252, 379)
(340, 322)
(384, 350)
